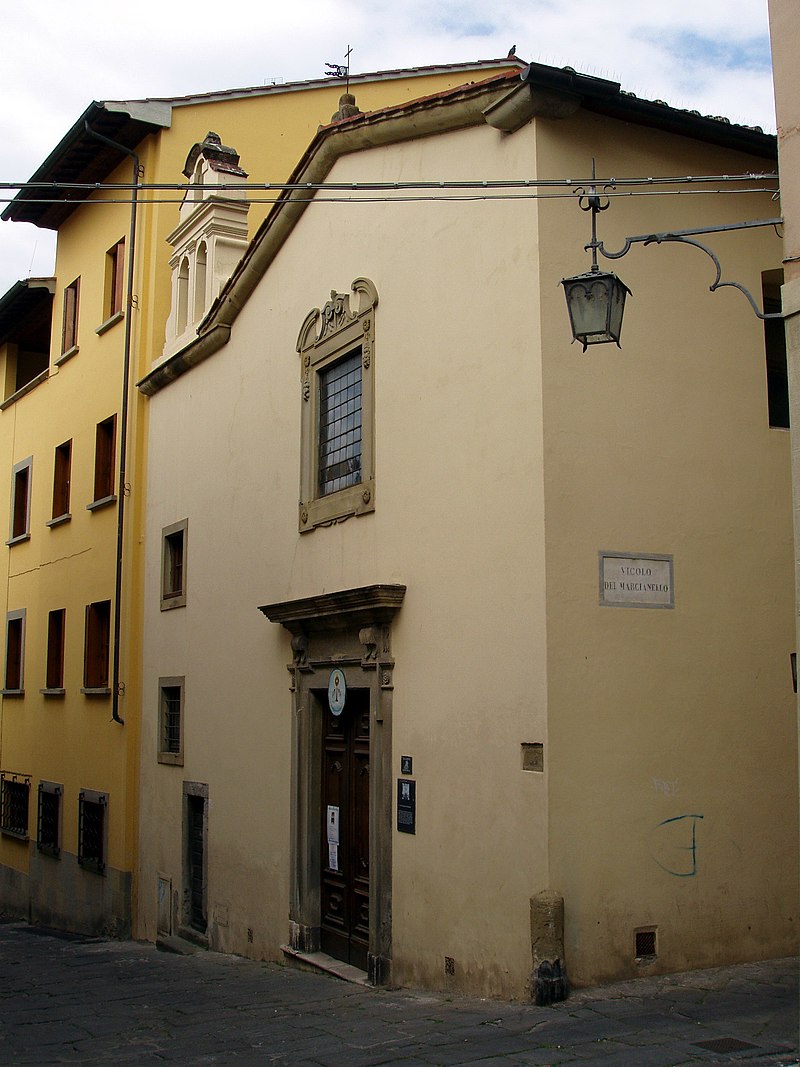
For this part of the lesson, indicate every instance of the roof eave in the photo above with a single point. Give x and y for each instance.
(20, 299)
(81, 158)
(607, 98)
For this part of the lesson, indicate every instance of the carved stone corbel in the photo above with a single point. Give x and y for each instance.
(369, 637)
(299, 652)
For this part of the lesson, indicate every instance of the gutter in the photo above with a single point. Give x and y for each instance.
(116, 686)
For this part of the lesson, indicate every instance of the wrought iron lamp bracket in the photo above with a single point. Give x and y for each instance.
(686, 237)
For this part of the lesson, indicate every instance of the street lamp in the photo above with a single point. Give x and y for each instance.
(595, 302)
(596, 299)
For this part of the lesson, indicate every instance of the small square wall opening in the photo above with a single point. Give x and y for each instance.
(532, 756)
(646, 944)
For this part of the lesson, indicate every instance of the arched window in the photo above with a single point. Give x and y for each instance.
(200, 263)
(183, 297)
(197, 179)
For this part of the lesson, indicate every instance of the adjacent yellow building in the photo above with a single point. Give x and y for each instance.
(73, 437)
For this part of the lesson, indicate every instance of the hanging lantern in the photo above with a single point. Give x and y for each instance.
(595, 302)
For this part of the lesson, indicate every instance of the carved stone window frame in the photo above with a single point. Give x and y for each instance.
(350, 629)
(345, 323)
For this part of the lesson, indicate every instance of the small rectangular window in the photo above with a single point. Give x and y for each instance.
(96, 646)
(92, 809)
(104, 455)
(21, 501)
(15, 653)
(115, 273)
(15, 790)
(69, 329)
(48, 821)
(56, 627)
(62, 474)
(170, 741)
(173, 565)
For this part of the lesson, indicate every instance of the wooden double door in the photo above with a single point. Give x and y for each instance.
(344, 818)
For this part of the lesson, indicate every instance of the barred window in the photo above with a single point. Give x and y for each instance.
(340, 425)
(48, 823)
(92, 830)
(14, 792)
(170, 742)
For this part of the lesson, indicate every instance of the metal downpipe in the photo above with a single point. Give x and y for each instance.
(123, 439)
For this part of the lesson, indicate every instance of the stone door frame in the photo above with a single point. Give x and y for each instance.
(350, 629)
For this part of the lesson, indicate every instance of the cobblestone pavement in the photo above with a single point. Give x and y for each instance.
(81, 1000)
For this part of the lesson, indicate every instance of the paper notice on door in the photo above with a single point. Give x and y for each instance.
(333, 856)
(333, 825)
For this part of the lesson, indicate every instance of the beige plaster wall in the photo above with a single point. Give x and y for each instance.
(785, 43)
(667, 723)
(491, 430)
(459, 457)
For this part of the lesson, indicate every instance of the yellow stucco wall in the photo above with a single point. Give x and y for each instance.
(71, 740)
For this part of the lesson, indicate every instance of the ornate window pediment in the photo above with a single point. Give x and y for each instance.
(337, 353)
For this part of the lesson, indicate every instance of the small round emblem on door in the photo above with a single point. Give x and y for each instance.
(337, 691)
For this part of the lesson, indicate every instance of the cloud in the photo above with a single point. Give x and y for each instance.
(707, 55)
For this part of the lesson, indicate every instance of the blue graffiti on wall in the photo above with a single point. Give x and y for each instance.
(678, 839)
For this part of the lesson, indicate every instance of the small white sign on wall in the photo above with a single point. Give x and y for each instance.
(333, 837)
(629, 580)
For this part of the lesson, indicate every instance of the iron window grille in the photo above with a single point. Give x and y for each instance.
(170, 741)
(14, 794)
(645, 944)
(172, 718)
(92, 809)
(48, 822)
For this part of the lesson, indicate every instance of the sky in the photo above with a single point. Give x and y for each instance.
(708, 55)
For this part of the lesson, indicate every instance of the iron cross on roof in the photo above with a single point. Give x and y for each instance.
(337, 70)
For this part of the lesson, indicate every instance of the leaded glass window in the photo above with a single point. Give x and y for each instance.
(340, 424)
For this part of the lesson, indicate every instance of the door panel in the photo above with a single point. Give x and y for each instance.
(196, 844)
(344, 931)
